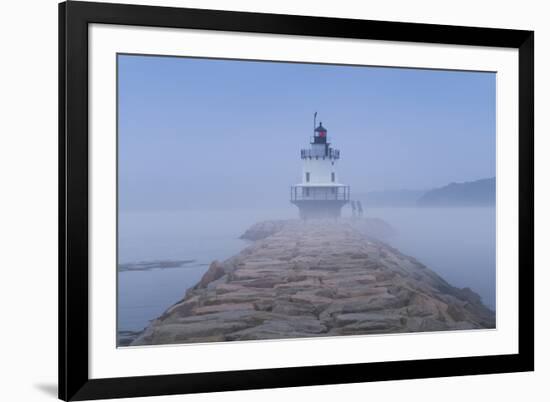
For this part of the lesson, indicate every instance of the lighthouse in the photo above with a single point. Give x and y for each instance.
(320, 194)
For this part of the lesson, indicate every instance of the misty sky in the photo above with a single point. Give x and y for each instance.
(196, 133)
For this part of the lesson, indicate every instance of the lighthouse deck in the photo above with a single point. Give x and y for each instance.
(320, 192)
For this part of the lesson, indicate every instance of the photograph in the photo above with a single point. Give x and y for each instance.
(266, 199)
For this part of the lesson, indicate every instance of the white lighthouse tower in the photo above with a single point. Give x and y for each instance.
(320, 194)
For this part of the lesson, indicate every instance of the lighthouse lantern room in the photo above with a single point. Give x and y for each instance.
(320, 194)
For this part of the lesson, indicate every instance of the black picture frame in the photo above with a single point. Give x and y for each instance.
(74, 18)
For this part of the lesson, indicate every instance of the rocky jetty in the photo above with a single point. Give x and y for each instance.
(315, 279)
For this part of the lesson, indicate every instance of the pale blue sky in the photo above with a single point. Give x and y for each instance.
(207, 133)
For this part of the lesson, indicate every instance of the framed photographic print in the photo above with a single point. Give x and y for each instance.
(257, 200)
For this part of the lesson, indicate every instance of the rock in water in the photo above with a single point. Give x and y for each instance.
(315, 279)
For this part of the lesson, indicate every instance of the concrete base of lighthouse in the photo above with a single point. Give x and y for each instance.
(319, 209)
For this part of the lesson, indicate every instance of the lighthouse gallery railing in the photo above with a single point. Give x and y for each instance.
(330, 153)
(320, 193)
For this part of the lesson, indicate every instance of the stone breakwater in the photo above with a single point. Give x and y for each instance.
(315, 279)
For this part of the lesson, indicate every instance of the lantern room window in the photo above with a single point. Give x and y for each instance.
(320, 131)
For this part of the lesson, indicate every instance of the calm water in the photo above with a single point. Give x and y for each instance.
(203, 236)
(457, 243)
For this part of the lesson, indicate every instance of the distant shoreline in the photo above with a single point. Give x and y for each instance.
(468, 194)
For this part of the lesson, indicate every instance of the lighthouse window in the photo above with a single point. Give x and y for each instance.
(307, 177)
(332, 177)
